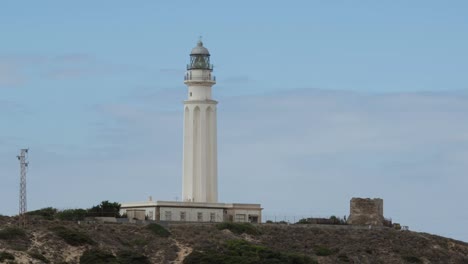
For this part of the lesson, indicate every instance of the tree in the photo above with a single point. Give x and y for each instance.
(106, 208)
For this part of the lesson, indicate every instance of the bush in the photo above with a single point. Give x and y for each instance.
(129, 257)
(322, 251)
(412, 259)
(343, 258)
(47, 213)
(158, 230)
(72, 237)
(96, 256)
(240, 251)
(72, 214)
(10, 233)
(6, 256)
(106, 208)
(38, 256)
(239, 228)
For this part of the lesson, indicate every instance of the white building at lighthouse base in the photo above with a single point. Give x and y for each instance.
(192, 211)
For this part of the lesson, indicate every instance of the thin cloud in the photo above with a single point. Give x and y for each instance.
(302, 153)
(241, 79)
(10, 75)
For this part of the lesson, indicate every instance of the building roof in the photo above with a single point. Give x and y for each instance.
(189, 204)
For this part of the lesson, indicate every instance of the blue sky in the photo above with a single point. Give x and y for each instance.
(320, 101)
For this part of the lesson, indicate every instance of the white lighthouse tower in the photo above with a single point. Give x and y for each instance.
(200, 169)
(200, 175)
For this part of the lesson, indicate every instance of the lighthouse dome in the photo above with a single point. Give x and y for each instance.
(200, 50)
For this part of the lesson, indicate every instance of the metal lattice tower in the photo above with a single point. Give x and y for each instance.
(22, 195)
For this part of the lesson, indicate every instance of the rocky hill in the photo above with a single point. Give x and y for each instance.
(45, 241)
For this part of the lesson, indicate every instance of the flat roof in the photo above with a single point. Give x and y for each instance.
(190, 204)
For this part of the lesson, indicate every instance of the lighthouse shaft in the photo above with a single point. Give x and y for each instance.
(200, 183)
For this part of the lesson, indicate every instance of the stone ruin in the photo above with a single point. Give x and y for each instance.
(366, 211)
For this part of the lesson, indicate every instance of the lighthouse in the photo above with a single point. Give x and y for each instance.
(200, 166)
(200, 176)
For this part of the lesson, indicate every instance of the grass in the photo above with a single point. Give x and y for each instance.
(239, 228)
(73, 237)
(158, 230)
(243, 252)
(6, 256)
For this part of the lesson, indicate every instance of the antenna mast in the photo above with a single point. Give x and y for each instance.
(22, 195)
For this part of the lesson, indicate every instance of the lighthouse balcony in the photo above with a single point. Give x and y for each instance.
(200, 66)
(199, 78)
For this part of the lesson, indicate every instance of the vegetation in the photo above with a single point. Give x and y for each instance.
(158, 230)
(72, 214)
(38, 256)
(72, 237)
(343, 258)
(322, 251)
(333, 220)
(47, 213)
(129, 257)
(106, 209)
(10, 233)
(239, 228)
(412, 259)
(243, 252)
(6, 256)
(97, 256)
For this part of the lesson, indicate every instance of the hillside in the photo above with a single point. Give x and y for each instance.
(45, 241)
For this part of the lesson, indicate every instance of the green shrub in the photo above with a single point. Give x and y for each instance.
(38, 256)
(72, 237)
(47, 213)
(10, 233)
(343, 258)
(106, 208)
(6, 256)
(322, 251)
(158, 230)
(239, 228)
(412, 259)
(72, 214)
(240, 251)
(96, 256)
(129, 257)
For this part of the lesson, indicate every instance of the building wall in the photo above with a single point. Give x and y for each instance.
(150, 212)
(242, 215)
(366, 211)
(199, 182)
(191, 214)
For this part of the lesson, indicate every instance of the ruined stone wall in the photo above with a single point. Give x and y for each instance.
(366, 211)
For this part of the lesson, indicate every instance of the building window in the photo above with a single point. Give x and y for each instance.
(240, 218)
(212, 217)
(253, 219)
(168, 215)
(190, 94)
(199, 217)
(182, 216)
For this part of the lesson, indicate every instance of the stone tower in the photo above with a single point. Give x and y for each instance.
(200, 169)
